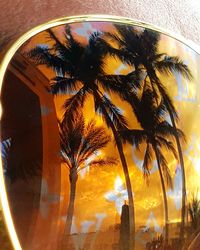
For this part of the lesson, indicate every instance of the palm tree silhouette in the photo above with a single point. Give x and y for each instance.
(157, 134)
(140, 49)
(194, 212)
(79, 143)
(80, 68)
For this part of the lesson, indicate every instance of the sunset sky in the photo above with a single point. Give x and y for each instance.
(101, 191)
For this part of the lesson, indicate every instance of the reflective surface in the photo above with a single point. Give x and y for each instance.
(4, 239)
(100, 140)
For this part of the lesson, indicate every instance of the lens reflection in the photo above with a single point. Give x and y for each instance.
(100, 141)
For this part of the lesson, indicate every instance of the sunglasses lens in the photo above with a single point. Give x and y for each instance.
(99, 138)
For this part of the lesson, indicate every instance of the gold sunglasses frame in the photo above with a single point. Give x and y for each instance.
(20, 41)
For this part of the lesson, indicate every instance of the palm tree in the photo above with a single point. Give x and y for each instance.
(194, 212)
(157, 134)
(80, 68)
(140, 49)
(79, 143)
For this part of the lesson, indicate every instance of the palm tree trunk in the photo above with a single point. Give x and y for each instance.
(129, 190)
(180, 154)
(183, 210)
(73, 176)
(166, 233)
(126, 174)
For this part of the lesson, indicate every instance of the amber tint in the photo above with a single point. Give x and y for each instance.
(100, 139)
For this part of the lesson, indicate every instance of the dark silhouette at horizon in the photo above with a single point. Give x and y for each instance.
(124, 228)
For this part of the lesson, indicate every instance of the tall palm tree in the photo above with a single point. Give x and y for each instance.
(140, 49)
(157, 134)
(80, 142)
(80, 68)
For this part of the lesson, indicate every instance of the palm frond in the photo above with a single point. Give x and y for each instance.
(117, 53)
(64, 145)
(101, 162)
(109, 112)
(71, 134)
(194, 212)
(43, 55)
(171, 65)
(116, 38)
(130, 39)
(71, 42)
(121, 83)
(149, 41)
(161, 110)
(158, 57)
(94, 39)
(147, 161)
(135, 137)
(69, 50)
(80, 141)
(165, 168)
(147, 112)
(63, 85)
(169, 145)
(168, 101)
(75, 103)
(58, 46)
(95, 138)
(65, 159)
(164, 129)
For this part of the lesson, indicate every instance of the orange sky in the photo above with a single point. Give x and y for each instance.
(96, 183)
